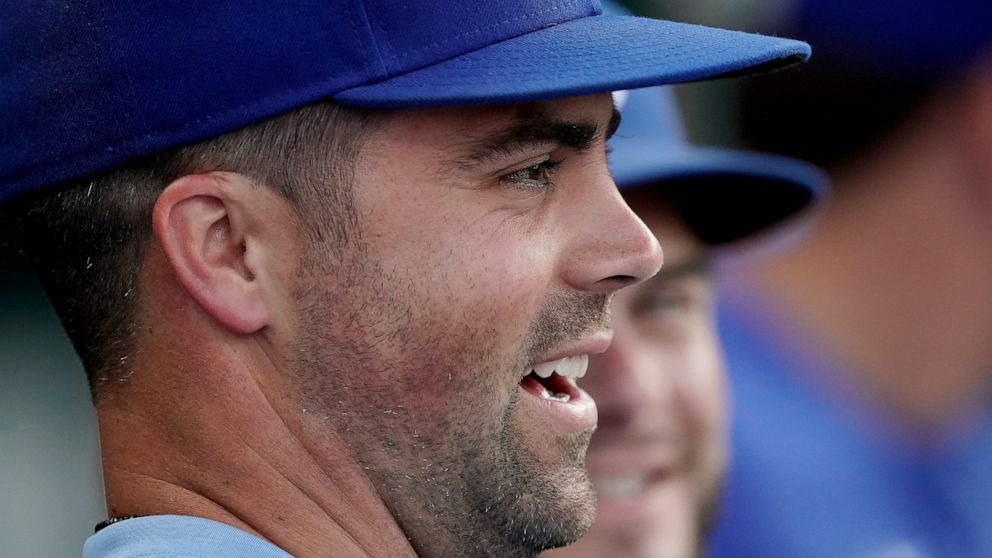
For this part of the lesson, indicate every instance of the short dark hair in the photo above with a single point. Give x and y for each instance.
(86, 240)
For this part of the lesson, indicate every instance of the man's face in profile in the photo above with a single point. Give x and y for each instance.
(658, 454)
(487, 242)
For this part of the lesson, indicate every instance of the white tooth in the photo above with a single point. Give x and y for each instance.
(583, 365)
(579, 365)
(570, 367)
(573, 367)
(544, 369)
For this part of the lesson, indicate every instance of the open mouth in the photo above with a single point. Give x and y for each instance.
(556, 380)
(550, 394)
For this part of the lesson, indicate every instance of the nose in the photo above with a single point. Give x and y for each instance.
(612, 247)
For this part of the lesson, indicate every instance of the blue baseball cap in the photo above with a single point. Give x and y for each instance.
(88, 86)
(722, 194)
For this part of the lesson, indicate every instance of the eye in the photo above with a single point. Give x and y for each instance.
(665, 301)
(539, 175)
(676, 299)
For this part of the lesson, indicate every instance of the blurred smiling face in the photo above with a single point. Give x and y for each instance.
(442, 345)
(659, 452)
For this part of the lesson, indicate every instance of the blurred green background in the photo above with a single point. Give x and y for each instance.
(51, 492)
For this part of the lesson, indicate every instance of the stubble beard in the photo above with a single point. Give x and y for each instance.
(457, 475)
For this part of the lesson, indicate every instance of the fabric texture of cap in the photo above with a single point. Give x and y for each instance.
(722, 194)
(88, 86)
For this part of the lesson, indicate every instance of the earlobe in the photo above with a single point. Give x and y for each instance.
(204, 233)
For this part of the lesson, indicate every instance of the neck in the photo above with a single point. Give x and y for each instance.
(208, 435)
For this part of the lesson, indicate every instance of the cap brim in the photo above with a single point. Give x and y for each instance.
(723, 195)
(586, 55)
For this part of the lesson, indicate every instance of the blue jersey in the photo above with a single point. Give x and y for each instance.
(819, 471)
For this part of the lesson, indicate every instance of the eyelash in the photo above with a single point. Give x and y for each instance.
(523, 178)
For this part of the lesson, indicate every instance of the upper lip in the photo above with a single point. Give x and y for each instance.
(589, 345)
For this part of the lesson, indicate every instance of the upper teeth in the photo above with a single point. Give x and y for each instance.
(570, 367)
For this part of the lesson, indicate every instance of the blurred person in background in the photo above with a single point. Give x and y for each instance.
(658, 454)
(861, 362)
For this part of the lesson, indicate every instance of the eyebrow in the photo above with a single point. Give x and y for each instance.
(534, 128)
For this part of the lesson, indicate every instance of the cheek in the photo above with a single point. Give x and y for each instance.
(481, 280)
(705, 386)
(462, 254)
(704, 390)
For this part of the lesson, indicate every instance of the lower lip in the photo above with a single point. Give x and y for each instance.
(577, 414)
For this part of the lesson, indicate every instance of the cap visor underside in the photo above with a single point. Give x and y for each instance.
(587, 55)
(724, 195)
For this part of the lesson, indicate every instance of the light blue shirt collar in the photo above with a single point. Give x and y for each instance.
(177, 536)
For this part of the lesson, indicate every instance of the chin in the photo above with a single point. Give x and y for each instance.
(602, 543)
(565, 509)
(658, 523)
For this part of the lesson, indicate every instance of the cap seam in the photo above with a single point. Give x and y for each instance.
(465, 53)
(382, 71)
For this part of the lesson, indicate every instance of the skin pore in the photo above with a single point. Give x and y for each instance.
(658, 455)
(366, 399)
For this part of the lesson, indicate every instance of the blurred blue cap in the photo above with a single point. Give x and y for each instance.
(88, 85)
(722, 194)
(912, 39)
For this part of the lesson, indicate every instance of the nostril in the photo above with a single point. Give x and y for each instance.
(618, 281)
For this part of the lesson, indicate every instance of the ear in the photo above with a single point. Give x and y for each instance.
(204, 227)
